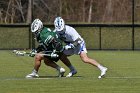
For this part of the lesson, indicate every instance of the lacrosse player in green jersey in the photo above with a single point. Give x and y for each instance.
(48, 44)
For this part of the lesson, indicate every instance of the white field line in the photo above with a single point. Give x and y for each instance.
(28, 78)
(107, 77)
(36, 78)
(123, 77)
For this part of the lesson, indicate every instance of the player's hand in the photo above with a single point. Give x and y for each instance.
(32, 53)
(69, 46)
(54, 55)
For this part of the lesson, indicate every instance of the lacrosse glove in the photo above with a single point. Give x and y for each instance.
(32, 53)
(69, 46)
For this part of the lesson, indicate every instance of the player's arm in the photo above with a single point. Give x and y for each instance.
(73, 44)
(75, 39)
(54, 42)
(57, 45)
(49, 53)
(41, 47)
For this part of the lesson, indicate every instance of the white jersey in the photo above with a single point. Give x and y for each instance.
(70, 36)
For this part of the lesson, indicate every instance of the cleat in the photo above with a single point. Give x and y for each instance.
(61, 72)
(71, 73)
(103, 72)
(32, 75)
(99, 77)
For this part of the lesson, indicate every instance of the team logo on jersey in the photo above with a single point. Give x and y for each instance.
(48, 39)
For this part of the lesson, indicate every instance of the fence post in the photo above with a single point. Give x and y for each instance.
(133, 22)
(33, 40)
(100, 38)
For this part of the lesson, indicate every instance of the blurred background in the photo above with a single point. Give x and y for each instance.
(77, 11)
(104, 24)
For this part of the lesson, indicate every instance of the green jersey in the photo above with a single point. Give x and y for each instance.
(50, 40)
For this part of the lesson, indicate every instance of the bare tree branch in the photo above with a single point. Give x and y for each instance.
(12, 12)
(7, 11)
(20, 9)
(29, 12)
(90, 12)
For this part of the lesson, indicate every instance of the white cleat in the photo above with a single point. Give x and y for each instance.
(61, 72)
(103, 72)
(32, 75)
(71, 73)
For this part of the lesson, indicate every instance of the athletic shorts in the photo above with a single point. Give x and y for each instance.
(77, 50)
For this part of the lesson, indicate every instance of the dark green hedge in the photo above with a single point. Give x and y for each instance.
(111, 37)
(14, 38)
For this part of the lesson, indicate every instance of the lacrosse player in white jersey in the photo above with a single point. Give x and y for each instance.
(75, 44)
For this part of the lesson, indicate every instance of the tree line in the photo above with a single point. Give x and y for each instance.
(77, 11)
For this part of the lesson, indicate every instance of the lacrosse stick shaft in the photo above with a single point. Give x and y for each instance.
(23, 53)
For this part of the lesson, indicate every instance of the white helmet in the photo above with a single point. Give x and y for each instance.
(37, 25)
(59, 24)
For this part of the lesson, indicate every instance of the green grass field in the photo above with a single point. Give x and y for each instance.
(123, 74)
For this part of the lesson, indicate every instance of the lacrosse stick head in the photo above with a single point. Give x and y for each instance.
(20, 53)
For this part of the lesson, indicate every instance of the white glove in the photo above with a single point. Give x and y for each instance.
(54, 55)
(69, 46)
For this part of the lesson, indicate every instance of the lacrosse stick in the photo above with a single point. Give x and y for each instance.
(23, 53)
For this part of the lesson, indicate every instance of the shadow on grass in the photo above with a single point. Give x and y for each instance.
(53, 77)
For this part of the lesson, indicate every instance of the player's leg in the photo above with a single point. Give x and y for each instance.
(52, 64)
(67, 62)
(93, 62)
(37, 64)
(48, 62)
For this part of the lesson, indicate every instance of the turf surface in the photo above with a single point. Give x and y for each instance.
(123, 74)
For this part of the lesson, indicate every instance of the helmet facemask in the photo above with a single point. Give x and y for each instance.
(62, 32)
(37, 34)
(36, 27)
(59, 24)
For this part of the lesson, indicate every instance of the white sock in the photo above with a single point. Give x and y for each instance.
(100, 67)
(34, 71)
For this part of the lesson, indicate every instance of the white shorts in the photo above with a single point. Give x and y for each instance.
(77, 50)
